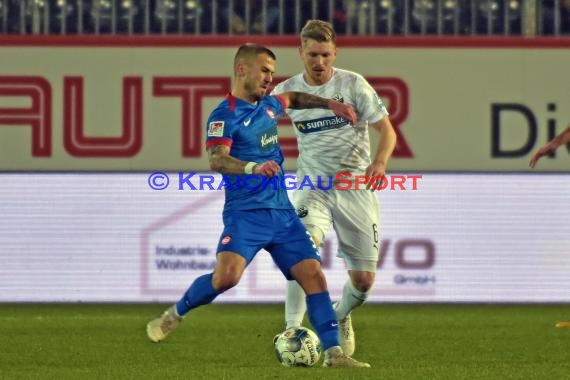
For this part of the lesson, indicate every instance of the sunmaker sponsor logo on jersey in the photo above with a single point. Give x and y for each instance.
(321, 124)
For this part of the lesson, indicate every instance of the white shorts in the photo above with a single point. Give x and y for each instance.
(354, 216)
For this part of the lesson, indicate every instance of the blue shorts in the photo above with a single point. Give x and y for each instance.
(279, 232)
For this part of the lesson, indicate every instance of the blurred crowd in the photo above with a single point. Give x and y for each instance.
(349, 17)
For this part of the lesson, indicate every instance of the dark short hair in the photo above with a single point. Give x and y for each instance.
(249, 51)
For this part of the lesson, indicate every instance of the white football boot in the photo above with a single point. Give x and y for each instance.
(159, 328)
(334, 357)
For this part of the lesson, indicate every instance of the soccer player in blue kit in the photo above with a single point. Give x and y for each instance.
(243, 145)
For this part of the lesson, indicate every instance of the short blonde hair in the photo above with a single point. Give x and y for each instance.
(318, 30)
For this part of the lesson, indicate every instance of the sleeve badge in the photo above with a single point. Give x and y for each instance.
(216, 129)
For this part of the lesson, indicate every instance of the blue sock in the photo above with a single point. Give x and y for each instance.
(323, 318)
(199, 293)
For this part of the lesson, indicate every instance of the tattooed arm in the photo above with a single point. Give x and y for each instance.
(299, 100)
(222, 162)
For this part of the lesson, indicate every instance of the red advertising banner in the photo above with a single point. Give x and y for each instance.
(120, 104)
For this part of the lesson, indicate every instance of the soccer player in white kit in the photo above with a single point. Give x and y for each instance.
(329, 145)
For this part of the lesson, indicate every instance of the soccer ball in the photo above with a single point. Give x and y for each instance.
(297, 347)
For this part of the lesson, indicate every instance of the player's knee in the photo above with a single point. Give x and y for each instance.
(309, 275)
(312, 268)
(364, 282)
(364, 286)
(229, 268)
(317, 275)
(224, 281)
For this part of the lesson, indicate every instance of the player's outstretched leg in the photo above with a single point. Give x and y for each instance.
(159, 328)
(201, 292)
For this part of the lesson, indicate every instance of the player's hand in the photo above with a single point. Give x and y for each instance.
(376, 171)
(343, 110)
(543, 151)
(267, 169)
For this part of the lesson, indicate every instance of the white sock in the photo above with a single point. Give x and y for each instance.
(350, 300)
(295, 304)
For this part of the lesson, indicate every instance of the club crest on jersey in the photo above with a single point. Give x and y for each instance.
(302, 212)
(270, 113)
(338, 98)
(216, 129)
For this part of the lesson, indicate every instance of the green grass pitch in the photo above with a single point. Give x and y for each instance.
(221, 341)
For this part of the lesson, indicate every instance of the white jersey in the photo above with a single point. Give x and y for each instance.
(328, 144)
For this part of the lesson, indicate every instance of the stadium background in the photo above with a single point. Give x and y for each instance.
(97, 95)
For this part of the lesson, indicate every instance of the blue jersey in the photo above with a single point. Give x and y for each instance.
(250, 130)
